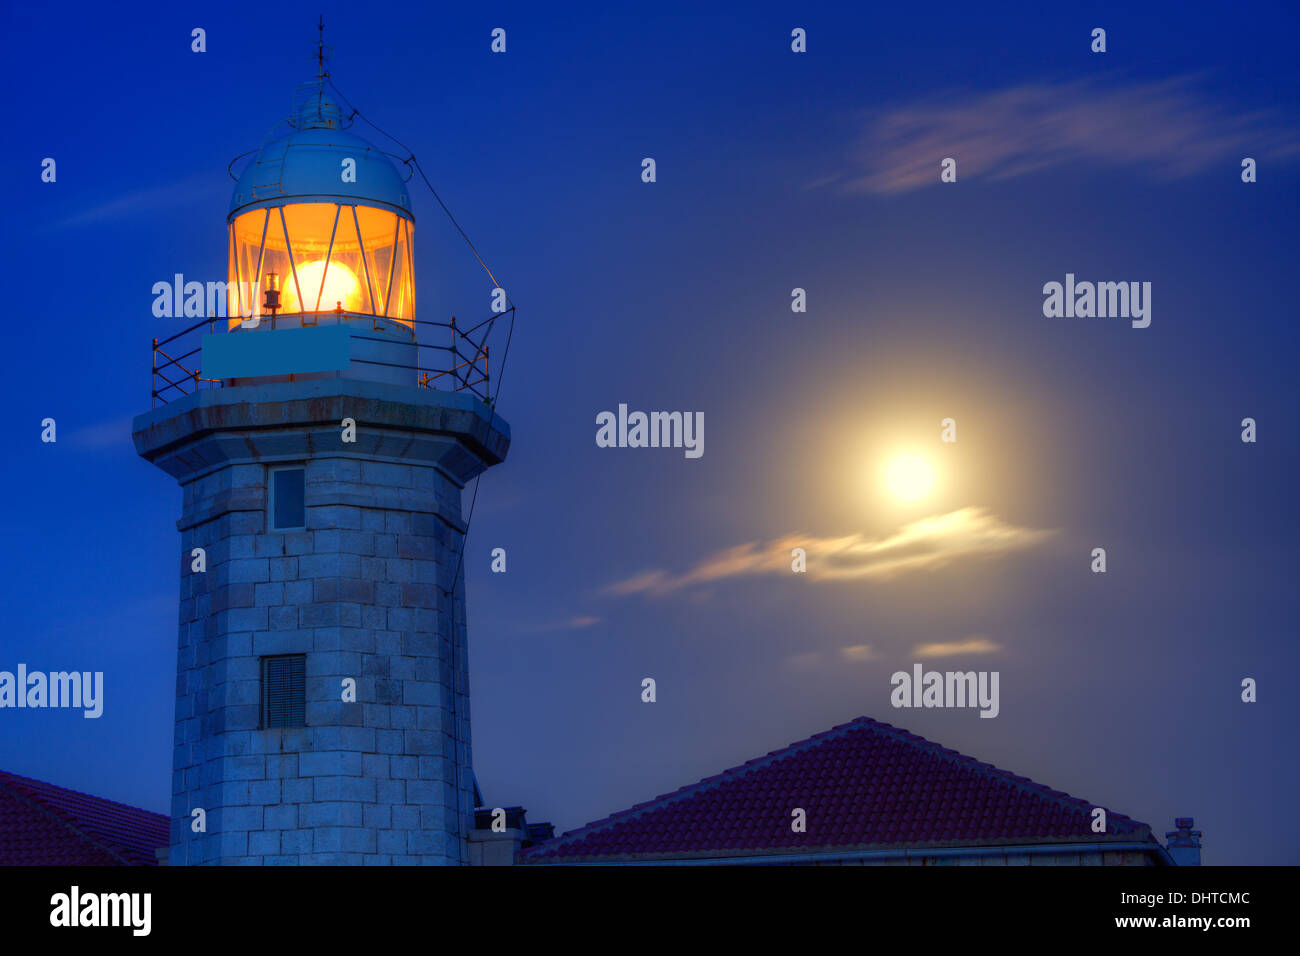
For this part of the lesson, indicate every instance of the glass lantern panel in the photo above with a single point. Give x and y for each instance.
(324, 261)
(275, 259)
(401, 303)
(378, 232)
(345, 276)
(319, 286)
(246, 241)
(233, 302)
(386, 237)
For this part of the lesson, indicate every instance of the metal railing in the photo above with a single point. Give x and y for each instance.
(461, 365)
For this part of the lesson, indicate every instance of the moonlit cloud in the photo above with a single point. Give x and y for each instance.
(575, 623)
(192, 193)
(109, 434)
(976, 644)
(1168, 127)
(920, 546)
(804, 661)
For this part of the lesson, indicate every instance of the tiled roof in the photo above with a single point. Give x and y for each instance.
(864, 785)
(45, 825)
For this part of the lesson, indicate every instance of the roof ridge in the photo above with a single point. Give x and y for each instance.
(1026, 784)
(40, 807)
(954, 757)
(81, 793)
(689, 790)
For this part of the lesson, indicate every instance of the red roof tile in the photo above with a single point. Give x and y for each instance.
(864, 785)
(45, 825)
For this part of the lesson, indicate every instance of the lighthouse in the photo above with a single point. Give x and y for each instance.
(322, 436)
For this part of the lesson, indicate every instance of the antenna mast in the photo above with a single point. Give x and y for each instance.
(320, 48)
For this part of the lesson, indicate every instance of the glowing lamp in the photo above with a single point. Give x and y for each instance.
(325, 285)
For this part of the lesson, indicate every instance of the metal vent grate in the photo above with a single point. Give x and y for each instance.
(284, 696)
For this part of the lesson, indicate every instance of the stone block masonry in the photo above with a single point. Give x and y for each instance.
(364, 592)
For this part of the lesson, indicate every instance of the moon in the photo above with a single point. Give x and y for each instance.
(909, 477)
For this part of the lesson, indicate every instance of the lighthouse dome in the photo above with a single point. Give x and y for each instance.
(311, 164)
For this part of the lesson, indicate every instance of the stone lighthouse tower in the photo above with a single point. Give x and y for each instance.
(321, 444)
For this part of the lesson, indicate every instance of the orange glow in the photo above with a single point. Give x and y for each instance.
(341, 285)
(368, 251)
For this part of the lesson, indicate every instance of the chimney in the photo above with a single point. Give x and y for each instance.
(1184, 843)
(500, 833)
(497, 837)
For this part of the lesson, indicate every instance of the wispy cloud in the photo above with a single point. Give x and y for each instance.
(922, 545)
(976, 644)
(804, 661)
(858, 652)
(574, 623)
(110, 434)
(150, 200)
(1166, 126)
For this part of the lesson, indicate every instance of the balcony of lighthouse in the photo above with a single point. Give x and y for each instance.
(273, 345)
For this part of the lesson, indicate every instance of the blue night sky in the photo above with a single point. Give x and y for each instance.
(774, 171)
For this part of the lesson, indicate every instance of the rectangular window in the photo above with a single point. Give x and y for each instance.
(288, 499)
(284, 691)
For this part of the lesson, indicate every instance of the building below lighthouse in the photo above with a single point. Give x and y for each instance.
(860, 794)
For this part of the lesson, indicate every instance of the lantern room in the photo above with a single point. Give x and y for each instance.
(320, 223)
(321, 281)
